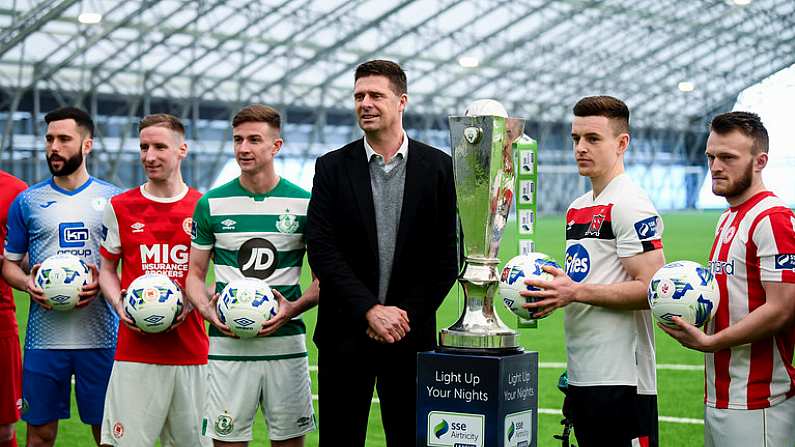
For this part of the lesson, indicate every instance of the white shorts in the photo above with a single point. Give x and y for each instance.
(767, 427)
(238, 388)
(145, 402)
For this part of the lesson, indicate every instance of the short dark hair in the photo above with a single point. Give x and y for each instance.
(258, 113)
(82, 118)
(388, 69)
(170, 122)
(611, 108)
(747, 123)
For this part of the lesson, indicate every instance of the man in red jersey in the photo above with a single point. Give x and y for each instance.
(750, 380)
(157, 386)
(11, 375)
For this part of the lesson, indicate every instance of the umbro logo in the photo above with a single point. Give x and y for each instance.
(47, 204)
(137, 227)
(228, 224)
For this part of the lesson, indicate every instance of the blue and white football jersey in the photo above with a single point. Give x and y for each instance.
(45, 220)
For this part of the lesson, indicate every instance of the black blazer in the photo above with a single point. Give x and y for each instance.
(343, 251)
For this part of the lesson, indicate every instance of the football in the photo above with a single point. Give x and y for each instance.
(512, 281)
(153, 302)
(61, 277)
(245, 304)
(683, 289)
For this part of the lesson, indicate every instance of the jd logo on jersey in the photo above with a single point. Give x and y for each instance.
(257, 258)
(72, 234)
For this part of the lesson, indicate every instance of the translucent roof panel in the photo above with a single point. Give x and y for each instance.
(537, 57)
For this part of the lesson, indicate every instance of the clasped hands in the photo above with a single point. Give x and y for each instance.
(387, 324)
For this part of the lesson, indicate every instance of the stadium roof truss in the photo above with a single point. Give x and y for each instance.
(537, 57)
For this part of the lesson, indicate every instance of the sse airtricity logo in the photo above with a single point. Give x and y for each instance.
(448, 429)
(646, 228)
(578, 262)
(785, 262)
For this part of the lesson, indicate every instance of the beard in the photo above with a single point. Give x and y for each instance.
(68, 166)
(736, 187)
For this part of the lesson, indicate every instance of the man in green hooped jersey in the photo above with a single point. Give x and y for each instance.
(253, 227)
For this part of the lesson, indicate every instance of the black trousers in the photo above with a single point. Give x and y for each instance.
(346, 381)
(612, 416)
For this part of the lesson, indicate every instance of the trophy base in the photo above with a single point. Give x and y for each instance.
(496, 352)
(451, 340)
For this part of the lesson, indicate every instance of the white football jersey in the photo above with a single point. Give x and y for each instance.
(608, 346)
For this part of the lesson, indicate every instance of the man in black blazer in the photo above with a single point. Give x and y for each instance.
(381, 238)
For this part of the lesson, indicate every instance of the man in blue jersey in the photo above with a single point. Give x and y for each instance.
(62, 214)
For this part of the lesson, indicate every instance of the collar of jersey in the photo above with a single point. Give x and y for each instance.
(55, 186)
(260, 197)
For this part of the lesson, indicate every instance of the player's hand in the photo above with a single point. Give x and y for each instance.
(36, 294)
(187, 308)
(210, 314)
(689, 336)
(391, 323)
(556, 293)
(118, 306)
(89, 291)
(287, 310)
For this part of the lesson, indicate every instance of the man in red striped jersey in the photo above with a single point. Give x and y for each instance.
(749, 344)
(613, 248)
(157, 386)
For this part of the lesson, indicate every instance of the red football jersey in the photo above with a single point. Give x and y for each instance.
(152, 235)
(11, 186)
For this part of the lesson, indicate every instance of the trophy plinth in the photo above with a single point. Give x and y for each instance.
(483, 165)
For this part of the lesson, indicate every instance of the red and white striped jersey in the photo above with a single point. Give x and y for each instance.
(609, 346)
(754, 243)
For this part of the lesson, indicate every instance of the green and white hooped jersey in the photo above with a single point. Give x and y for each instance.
(259, 236)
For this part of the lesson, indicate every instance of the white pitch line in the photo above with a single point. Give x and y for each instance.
(558, 412)
(561, 365)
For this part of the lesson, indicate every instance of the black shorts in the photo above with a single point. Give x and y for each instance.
(612, 415)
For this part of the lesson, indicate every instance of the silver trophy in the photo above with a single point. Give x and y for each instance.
(483, 164)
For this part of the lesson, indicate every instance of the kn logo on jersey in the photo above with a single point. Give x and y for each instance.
(72, 238)
(257, 258)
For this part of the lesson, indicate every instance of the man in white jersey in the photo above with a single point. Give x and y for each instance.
(613, 248)
(257, 216)
(62, 214)
(750, 380)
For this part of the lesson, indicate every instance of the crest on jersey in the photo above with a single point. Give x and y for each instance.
(187, 225)
(118, 430)
(224, 424)
(287, 223)
(596, 225)
(98, 203)
(729, 234)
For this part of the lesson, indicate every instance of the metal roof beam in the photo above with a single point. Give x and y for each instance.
(335, 46)
(34, 20)
(247, 72)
